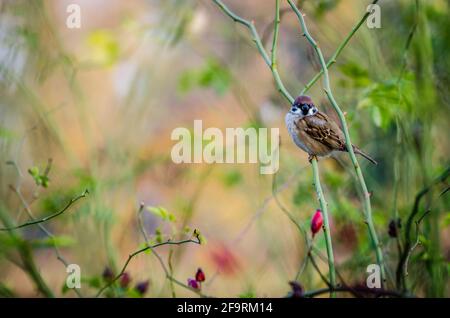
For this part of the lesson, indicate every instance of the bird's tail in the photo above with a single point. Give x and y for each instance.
(362, 153)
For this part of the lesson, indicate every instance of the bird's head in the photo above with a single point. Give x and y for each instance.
(303, 106)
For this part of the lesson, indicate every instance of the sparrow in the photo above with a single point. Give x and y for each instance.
(314, 132)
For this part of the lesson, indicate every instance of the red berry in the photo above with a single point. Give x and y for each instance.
(125, 280)
(200, 276)
(316, 222)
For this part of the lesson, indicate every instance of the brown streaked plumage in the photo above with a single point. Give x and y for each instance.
(315, 132)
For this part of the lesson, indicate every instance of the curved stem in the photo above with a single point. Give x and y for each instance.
(326, 224)
(47, 218)
(271, 63)
(338, 51)
(367, 205)
(142, 250)
(375, 292)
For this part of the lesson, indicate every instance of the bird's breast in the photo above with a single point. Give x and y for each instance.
(294, 132)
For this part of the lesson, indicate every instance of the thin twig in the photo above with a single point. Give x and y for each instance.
(169, 262)
(416, 243)
(400, 277)
(47, 218)
(338, 51)
(26, 205)
(47, 233)
(257, 40)
(412, 31)
(373, 291)
(366, 194)
(147, 241)
(314, 264)
(152, 247)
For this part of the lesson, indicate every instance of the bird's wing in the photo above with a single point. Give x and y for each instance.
(321, 128)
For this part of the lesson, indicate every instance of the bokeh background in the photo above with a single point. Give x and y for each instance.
(101, 102)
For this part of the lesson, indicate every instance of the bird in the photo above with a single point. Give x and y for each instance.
(314, 132)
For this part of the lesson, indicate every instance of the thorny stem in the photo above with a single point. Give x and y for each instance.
(326, 225)
(366, 194)
(257, 40)
(338, 51)
(272, 63)
(310, 247)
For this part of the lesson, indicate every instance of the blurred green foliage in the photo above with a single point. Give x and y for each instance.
(392, 82)
(210, 75)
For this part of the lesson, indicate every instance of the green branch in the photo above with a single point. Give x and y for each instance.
(167, 272)
(47, 218)
(338, 51)
(328, 92)
(326, 224)
(271, 62)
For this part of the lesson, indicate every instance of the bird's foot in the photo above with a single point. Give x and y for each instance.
(311, 157)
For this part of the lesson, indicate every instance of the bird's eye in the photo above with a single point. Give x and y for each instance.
(294, 109)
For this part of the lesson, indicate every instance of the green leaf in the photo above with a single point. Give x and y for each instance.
(158, 211)
(40, 179)
(162, 213)
(200, 237)
(34, 171)
(388, 99)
